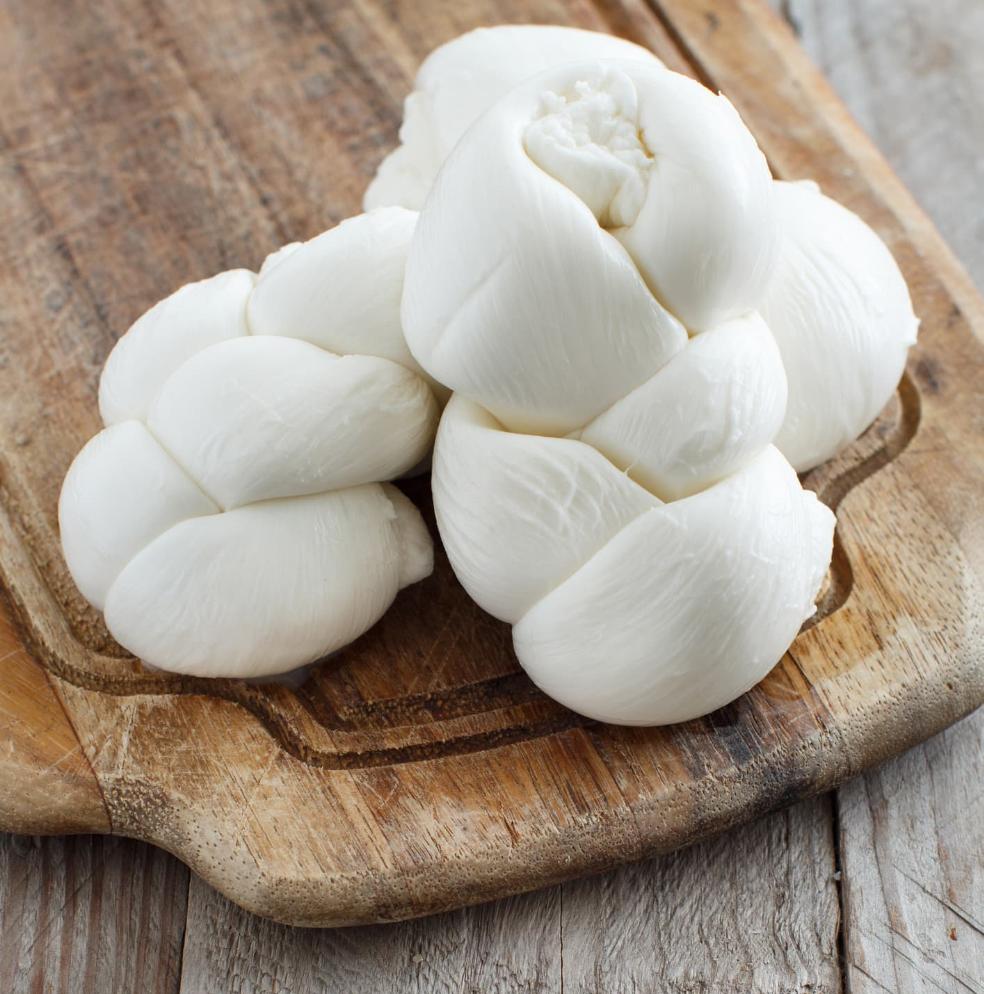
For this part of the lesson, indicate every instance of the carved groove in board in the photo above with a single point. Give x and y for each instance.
(896, 438)
(497, 699)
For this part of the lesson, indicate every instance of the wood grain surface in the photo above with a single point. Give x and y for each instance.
(83, 914)
(60, 792)
(699, 922)
(911, 834)
(482, 933)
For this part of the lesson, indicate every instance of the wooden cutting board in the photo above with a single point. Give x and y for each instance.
(145, 145)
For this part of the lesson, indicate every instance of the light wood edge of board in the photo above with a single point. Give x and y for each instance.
(49, 787)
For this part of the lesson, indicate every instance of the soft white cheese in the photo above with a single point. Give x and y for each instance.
(230, 519)
(604, 477)
(589, 139)
(702, 416)
(840, 311)
(836, 303)
(463, 78)
(688, 606)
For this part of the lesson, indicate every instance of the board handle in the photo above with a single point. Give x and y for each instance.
(47, 786)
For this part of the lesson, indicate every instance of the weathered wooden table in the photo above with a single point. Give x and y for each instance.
(878, 887)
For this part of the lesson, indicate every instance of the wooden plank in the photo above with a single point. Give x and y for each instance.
(511, 945)
(442, 776)
(912, 850)
(755, 911)
(89, 915)
(912, 75)
(912, 833)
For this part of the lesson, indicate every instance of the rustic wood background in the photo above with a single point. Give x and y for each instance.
(877, 887)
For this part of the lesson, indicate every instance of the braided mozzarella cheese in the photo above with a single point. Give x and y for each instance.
(464, 77)
(837, 304)
(228, 520)
(586, 275)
